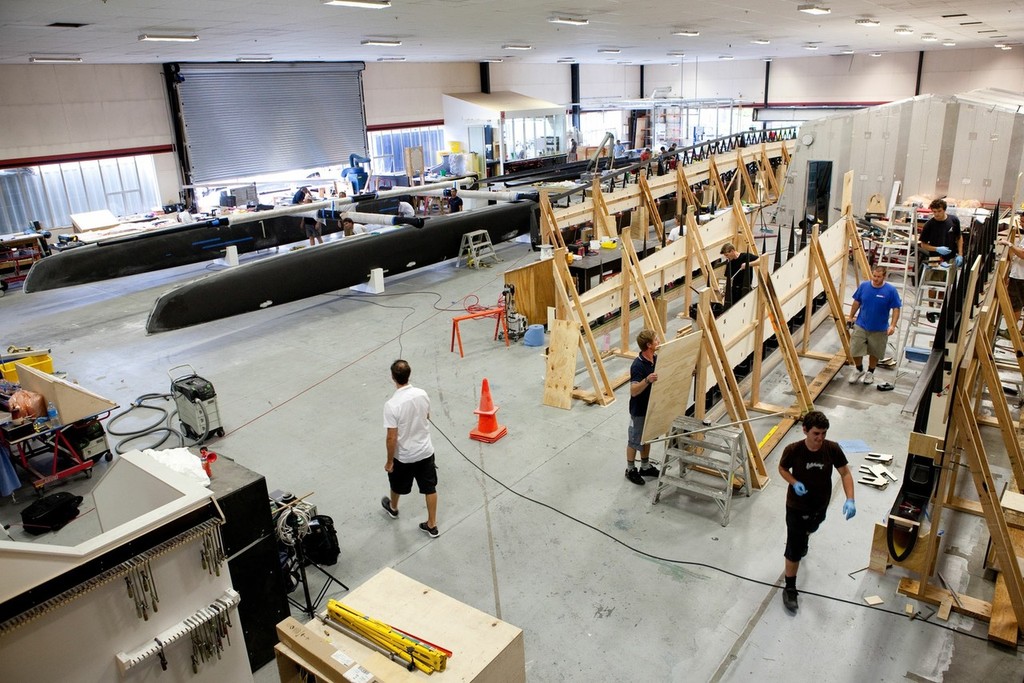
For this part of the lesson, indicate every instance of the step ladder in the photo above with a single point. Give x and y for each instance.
(919, 332)
(475, 247)
(708, 461)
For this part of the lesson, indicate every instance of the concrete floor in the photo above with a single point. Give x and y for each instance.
(540, 528)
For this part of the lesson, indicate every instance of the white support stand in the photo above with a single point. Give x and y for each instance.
(230, 257)
(375, 284)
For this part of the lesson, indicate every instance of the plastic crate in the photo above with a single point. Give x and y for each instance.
(43, 362)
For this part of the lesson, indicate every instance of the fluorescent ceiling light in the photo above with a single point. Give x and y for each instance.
(623, 62)
(571, 21)
(948, 43)
(687, 32)
(676, 54)
(360, 4)
(903, 30)
(567, 60)
(867, 22)
(876, 54)
(1006, 47)
(810, 46)
(929, 37)
(62, 59)
(609, 51)
(381, 42)
(814, 9)
(846, 52)
(168, 38)
(390, 59)
(726, 57)
(255, 59)
(492, 60)
(761, 41)
(766, 59)
(516, 46)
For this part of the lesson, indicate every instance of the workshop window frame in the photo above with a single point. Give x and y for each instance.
(388, 146)
(50, 193)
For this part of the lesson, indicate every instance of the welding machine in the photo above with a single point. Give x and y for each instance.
(196, 401)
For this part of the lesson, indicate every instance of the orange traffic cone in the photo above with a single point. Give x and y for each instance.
(487, 428)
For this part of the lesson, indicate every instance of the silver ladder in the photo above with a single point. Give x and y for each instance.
(475, 247)
(709, 461)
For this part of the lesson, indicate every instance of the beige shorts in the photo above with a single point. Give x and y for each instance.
(872, 344)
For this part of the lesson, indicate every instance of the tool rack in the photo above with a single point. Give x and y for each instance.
(710, 461)
(62, 457)
(17, 254)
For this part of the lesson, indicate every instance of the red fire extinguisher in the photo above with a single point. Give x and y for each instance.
(207, 457)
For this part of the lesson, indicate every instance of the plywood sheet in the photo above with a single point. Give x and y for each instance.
(563, 346)
(72, 401)
(671, 393)
(535, 290)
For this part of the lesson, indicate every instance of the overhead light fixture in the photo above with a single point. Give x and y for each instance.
(929, 38)
(56, 59)
(846, 52)
(810, 46)
(766, 59)
(726, 57)
(687, 32)
(492, 60)
(609, 51)
(761, 41)
(903, 30)
(814, 9)
(571, 21)
(626, 62)
(867, 22)
(566, 60)
(516, 46)
(676, 54)
(1006, 47)
(253, 59)
(381, 42)
(876, 54)
(360, 4)
(390, 59)
(168, 38)
(948, 43)
(999, 45)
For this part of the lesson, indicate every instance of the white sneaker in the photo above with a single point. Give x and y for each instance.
(855, 375)
(869, 377)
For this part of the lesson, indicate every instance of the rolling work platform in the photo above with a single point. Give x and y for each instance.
(711, 462)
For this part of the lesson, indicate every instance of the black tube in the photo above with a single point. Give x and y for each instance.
(920, 69)
(574, 90)
(485, 77)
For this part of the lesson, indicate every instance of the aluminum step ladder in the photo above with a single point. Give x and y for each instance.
(708, 463)
(475, 247)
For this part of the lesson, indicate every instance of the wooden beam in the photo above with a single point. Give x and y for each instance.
(652, 208)
(835, 304)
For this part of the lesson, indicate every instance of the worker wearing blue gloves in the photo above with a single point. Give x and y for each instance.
(807, 467)
(941, 236)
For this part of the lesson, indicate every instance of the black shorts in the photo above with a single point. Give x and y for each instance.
(1016, 289)
(799, 526)
(423, 471)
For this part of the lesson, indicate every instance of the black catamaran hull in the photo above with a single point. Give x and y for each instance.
(177, 245)
(331, 266)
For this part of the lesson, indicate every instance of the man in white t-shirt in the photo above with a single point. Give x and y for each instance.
(410, 451)
(1015, 283)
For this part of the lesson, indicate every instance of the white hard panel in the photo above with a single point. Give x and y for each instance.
(925, 147)
(400, 93)
(550, 83)
(602, 81)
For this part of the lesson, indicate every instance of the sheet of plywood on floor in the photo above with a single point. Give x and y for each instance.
(671, 393)
(535, 290)
(563, 345)
(1003, 627)
(972, 607)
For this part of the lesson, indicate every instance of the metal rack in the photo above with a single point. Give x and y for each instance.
(711, 461)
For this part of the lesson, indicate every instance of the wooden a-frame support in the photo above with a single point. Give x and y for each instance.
(601, 216)
(647, 199)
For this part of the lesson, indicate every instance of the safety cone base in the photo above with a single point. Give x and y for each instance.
(489, 437)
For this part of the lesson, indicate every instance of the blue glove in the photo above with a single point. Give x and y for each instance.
(799, 489)
(959, 261)
(849, 508)
(943, 251)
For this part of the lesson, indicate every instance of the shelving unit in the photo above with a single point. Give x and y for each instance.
(711, 462)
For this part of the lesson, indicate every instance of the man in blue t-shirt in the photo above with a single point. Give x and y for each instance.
(641, 377)
(873, 303)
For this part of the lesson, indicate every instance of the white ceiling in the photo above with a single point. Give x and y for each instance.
(471, 30)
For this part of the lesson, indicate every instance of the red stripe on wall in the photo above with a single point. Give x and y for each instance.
(399, 126)
(85, 156)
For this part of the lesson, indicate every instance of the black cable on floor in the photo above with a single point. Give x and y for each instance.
(690, 563)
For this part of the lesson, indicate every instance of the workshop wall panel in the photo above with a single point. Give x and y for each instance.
(409, 93)
(603, 81)
(549, 82)
(956, 71)
(843, 79)
(742, 80)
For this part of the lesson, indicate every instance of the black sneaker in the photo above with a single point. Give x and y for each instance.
(385, 503)
(789, 599)
(649, 471)
(429, 530)
(634, 476)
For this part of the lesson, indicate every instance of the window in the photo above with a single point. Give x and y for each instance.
(387, 147)
(52, 192)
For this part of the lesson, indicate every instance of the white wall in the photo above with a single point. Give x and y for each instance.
(403, 93)
(549, 82)
(608, 81)
(843, 79)
(743, 80)
(959, 71)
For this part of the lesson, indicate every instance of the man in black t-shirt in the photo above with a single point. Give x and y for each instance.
(739, 273)
(641, 377)
(941, 236)
(807, 467)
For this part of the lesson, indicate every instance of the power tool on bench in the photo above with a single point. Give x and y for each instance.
(196, 401)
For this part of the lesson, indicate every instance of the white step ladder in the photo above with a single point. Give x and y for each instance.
(475, 247)
(709, 462)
